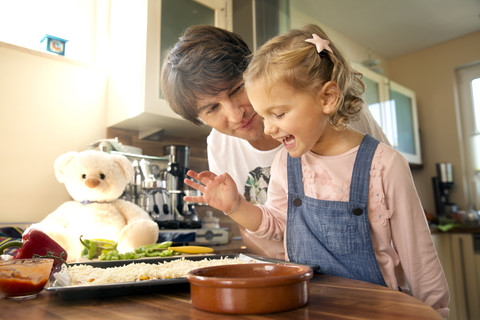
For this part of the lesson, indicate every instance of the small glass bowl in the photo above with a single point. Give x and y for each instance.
(24, 278)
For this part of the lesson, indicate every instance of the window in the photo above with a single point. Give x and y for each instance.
(468, 84)
(475, 87)
(394, 108)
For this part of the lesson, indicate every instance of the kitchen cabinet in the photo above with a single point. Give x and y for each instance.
(141, 33)
(256, 21)
(395, 109)
(459, 254)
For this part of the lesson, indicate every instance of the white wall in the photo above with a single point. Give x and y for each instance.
(49, 105)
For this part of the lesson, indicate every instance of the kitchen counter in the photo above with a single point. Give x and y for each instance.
(235, 246)
(435, 230)
(330, 298)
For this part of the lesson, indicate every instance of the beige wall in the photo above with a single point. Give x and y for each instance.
(431, 74)
(49, 105)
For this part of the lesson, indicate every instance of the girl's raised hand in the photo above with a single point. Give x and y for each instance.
(219, 192)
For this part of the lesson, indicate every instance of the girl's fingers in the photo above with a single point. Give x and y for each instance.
(194, 199)
(194, 185)
(192, 174)
(206, 175)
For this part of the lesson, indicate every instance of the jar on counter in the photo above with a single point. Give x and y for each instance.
(210, 222)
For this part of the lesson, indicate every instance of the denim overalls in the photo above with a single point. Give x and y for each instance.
(333, 235)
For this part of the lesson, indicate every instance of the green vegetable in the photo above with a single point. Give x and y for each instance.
(93, 248)
(156, 249)
(151, 250)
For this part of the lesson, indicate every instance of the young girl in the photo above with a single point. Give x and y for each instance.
(339, 199)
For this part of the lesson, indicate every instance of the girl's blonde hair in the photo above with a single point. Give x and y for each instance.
(290, 58)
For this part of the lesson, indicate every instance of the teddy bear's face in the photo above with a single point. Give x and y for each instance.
(94, 175)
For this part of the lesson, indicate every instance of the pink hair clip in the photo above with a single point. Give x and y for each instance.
(319, 43)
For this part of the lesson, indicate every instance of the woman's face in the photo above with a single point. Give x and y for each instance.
(294, 117)
(231, 113)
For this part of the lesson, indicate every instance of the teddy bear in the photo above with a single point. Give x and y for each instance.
(95, 180)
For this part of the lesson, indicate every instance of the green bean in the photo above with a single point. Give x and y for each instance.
(154, 250)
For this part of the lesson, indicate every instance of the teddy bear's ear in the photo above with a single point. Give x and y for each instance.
(61, 163)
(125, 165)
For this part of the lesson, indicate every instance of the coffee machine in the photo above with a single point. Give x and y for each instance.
(442, 184)
(184, 214)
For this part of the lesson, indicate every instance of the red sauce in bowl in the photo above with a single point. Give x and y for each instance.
(21, 287)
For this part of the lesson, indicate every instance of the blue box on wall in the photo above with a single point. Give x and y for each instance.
(55, 44)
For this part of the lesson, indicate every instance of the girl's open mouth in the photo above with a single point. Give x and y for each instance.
(288, 141)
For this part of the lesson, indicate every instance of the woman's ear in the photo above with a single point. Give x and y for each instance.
(329, 96)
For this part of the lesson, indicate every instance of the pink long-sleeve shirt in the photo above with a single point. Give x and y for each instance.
(400, 234)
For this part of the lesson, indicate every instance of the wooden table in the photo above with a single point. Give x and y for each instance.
(330, 298)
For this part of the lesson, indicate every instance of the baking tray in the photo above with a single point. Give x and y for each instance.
(133, 287)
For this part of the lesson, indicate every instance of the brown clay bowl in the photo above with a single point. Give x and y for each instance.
(252, 288)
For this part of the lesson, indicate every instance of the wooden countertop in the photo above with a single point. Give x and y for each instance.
(330, 298)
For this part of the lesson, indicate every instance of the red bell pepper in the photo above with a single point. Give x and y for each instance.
(37, 244)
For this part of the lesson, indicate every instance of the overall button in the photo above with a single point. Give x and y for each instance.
(297, 202)
(357, 211)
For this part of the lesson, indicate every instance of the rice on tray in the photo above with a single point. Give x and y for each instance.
(88, 275)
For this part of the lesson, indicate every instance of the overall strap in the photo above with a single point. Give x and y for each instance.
(361, 170)
(295, 174)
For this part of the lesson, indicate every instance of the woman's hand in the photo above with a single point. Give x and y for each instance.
(219, 192)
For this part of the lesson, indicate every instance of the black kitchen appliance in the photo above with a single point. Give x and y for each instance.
(442, 184)
(184, 215)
